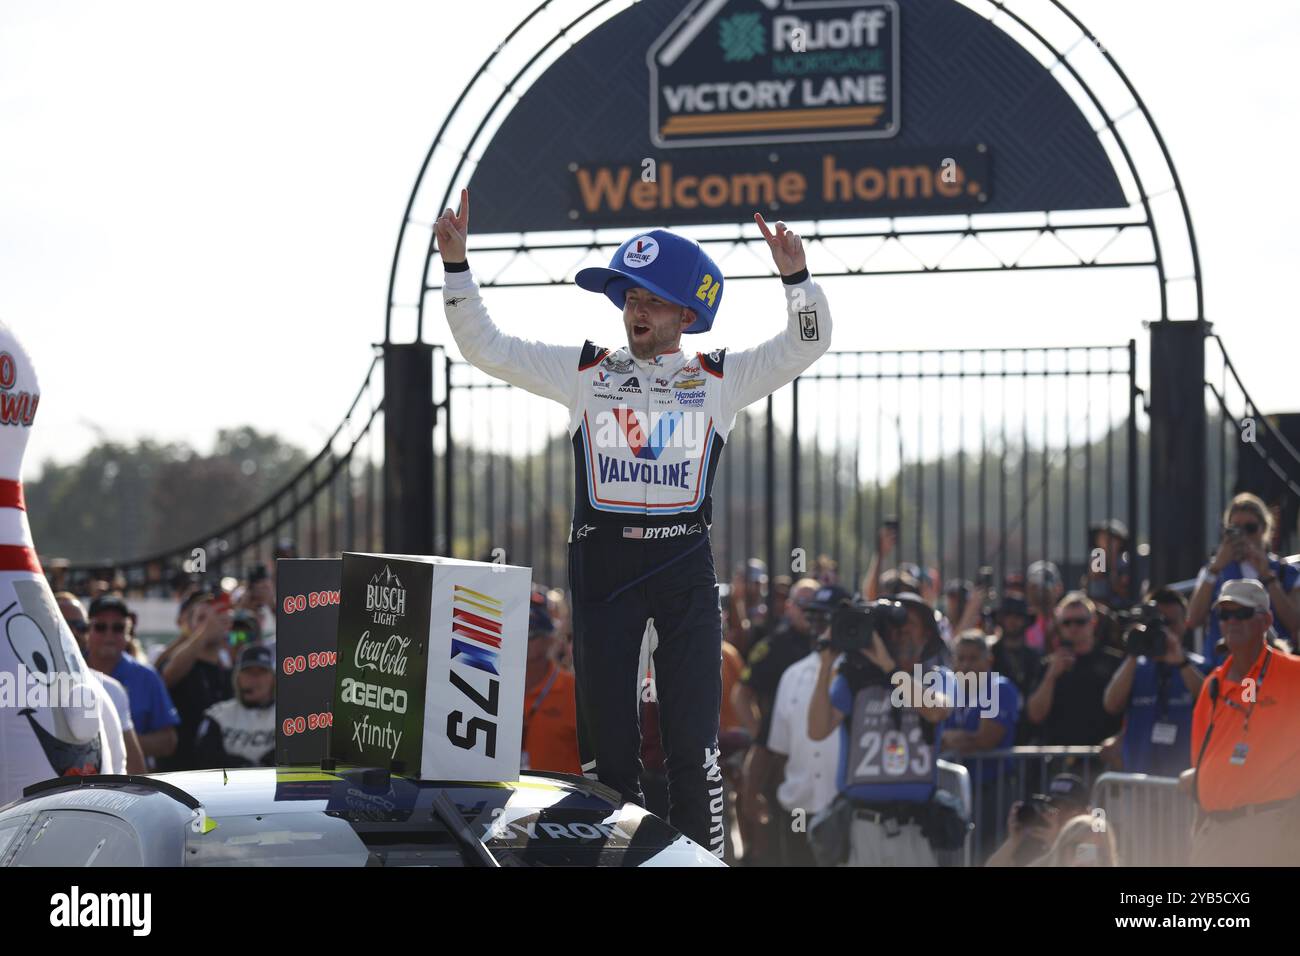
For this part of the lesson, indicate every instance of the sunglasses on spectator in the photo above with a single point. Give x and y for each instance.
(79, 627)
(1236, 614)
(1249, 528)
(1074, 621)
(117, 627)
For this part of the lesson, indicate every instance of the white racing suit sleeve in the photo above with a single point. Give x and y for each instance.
(756, 373)
(546, 370)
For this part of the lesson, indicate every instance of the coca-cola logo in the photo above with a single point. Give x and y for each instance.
(384, 656)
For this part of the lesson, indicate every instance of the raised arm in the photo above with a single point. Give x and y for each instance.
(546, 370)
(756, 373)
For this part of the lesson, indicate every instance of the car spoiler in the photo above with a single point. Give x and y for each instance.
(91, 780)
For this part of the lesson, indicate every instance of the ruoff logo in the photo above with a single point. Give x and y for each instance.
(103, 909)
(642, 251)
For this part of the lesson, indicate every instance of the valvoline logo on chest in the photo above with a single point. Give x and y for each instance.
(647, 444)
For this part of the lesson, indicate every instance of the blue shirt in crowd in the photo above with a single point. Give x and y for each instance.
(151, 705)
(968, 717)
(1158, 725)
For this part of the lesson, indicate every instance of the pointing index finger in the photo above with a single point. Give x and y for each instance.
(462, 214)
(762, 226)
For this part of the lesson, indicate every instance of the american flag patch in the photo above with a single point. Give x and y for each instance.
(634, 532)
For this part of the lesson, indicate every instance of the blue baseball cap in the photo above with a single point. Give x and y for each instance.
(671, 266)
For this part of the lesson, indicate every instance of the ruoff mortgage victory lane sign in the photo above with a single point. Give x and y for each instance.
(701, 111)
(768, 73)
(430, 673)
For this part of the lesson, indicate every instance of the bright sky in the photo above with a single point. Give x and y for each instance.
(199, 203)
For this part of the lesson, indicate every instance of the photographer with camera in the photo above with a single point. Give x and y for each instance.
(1243, 553)
(1068, 701)
(1155, 688)
(888, 700)
(1034, 825)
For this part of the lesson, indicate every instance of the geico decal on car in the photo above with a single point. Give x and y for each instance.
(374, 696)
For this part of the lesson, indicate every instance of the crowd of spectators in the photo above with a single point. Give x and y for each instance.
(1100, 675)
(204, 699)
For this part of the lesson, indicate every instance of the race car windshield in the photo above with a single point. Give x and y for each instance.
(321, 839)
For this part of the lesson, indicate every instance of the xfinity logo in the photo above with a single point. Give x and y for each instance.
(103, 909)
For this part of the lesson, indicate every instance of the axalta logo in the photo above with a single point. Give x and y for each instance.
(631, 386)
(385, 597)
(641, 252)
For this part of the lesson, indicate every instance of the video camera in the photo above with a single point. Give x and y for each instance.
(1144, 634)
(853, 625)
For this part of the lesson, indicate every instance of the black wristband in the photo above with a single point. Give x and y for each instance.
(462, 266)
(795, 279)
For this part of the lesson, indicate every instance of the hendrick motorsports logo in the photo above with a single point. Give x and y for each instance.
(736, 71)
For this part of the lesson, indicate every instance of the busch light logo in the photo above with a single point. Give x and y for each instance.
(641, 252)
(385, 597)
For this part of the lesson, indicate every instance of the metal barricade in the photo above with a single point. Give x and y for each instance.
(955, 779)
(997, 779)
(1149, 817)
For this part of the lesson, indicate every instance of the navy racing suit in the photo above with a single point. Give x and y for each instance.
(647, 437)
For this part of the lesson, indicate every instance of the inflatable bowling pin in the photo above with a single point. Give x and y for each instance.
(49, 706)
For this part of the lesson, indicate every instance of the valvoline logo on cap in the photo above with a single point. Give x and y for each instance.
(641, 252)
(672, 267)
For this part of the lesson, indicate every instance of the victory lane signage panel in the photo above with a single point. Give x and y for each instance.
(431, 658)
(701, 188)
(807, 109)
(736, 71)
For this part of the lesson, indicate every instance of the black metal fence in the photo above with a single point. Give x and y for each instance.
(333, 503)
(984, 456)
(1248, 451)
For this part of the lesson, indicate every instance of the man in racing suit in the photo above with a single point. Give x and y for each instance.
(648, 423)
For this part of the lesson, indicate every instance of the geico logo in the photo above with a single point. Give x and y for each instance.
(374, 696)
(863, 29)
